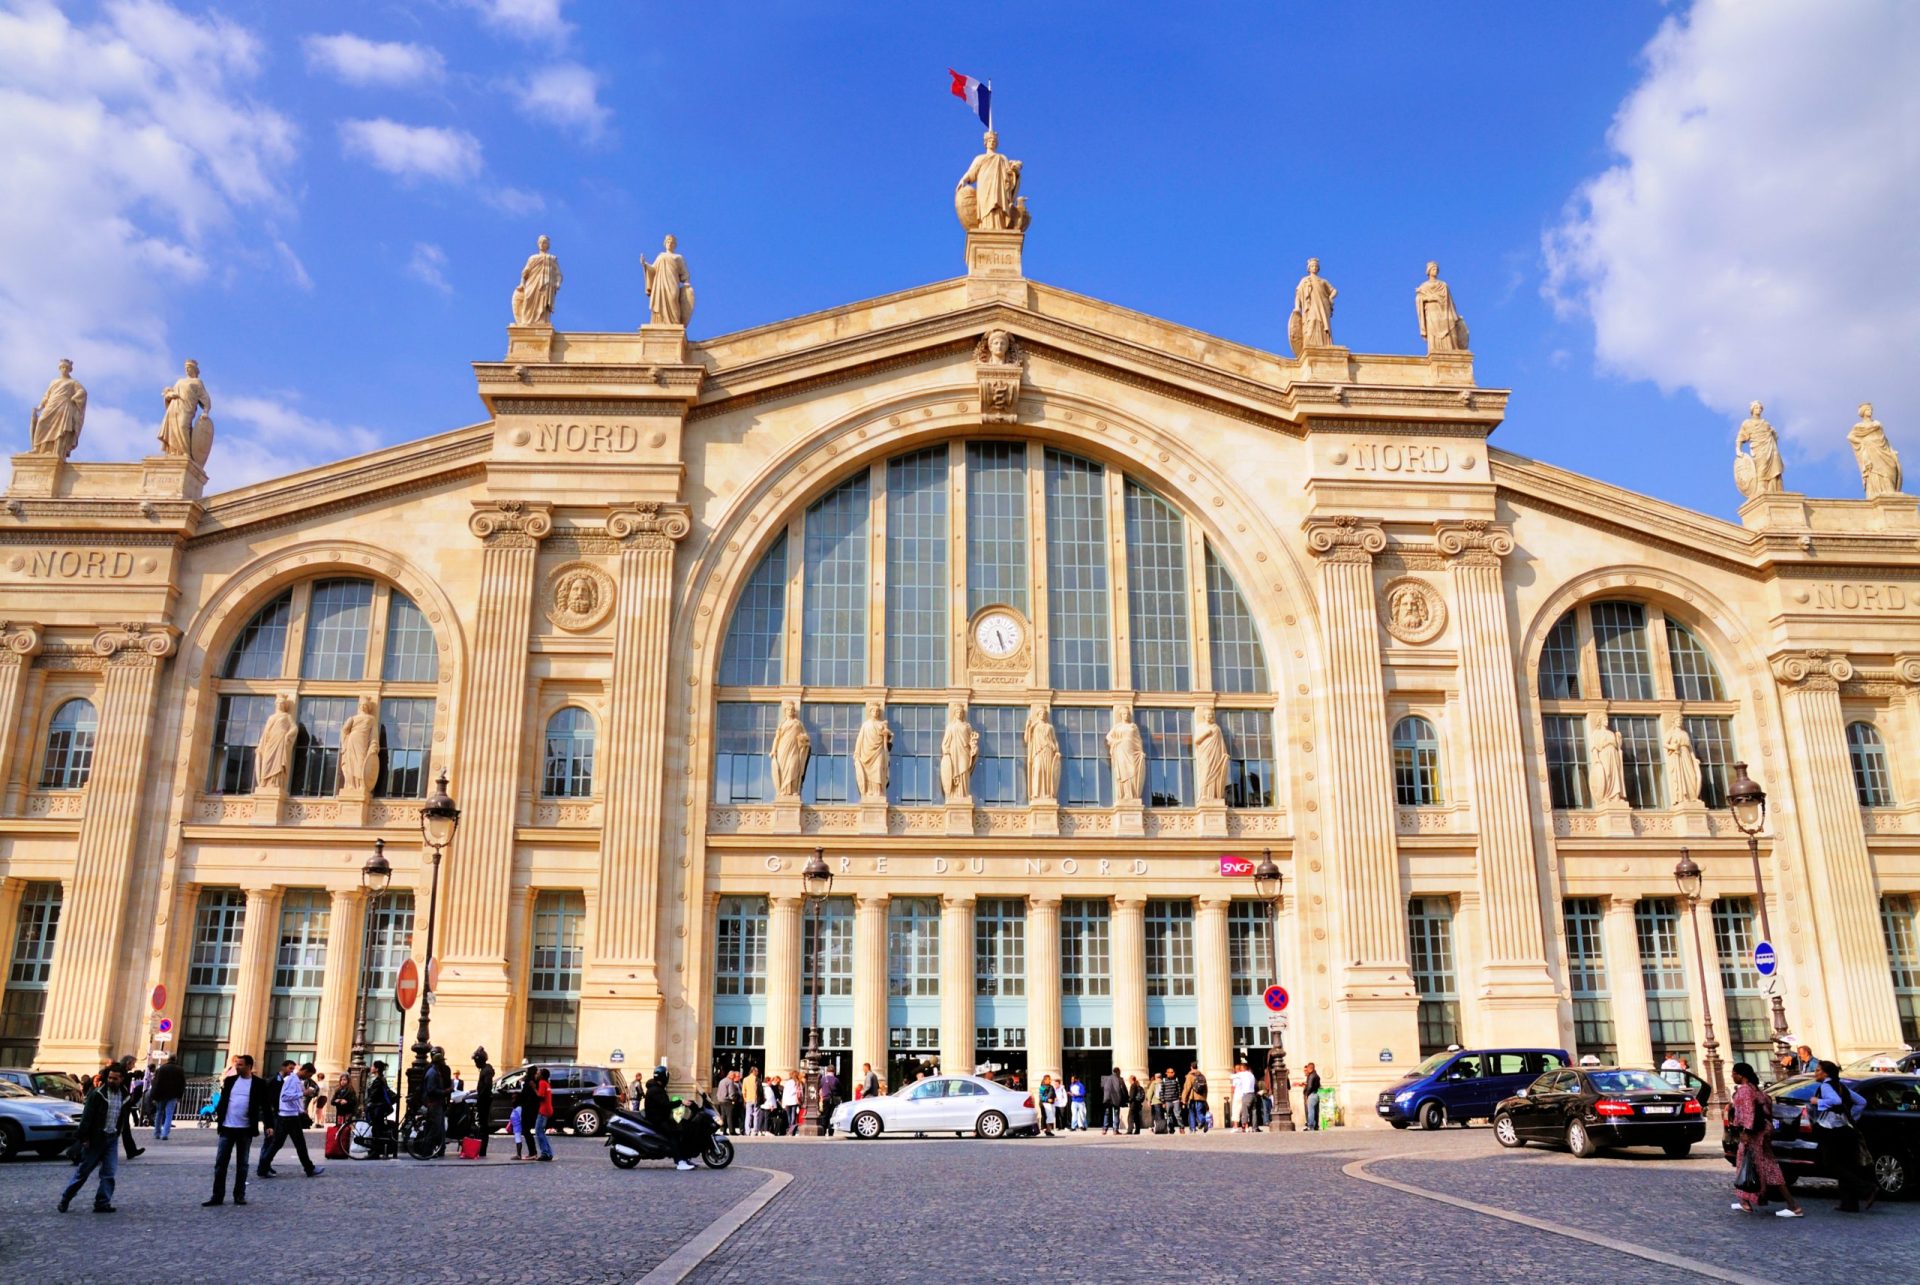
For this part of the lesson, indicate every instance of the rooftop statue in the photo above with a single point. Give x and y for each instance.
(1759, 472)
(669, 289)
(180, 432)
(1440, 324)
(539, 283)
(1879, 465)
(55, 427)
(993, 203)
(1311, 325)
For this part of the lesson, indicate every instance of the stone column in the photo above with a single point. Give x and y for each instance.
(11, 891)
(1860, 1016)
(1375, 1005)
(1216, 1000)
(259, 943)
(1626, 987)
(622, 990)
(785, 1035)
(956, 984)
(1517, 994)
(18, 646)
(870, 984)
(340, 992)
(1470, 969)
(1043, 988)
(475, 988)
(89, 964)
(1130, 984)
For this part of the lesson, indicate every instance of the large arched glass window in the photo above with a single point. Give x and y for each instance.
(756, 639)
(1871, 780)
(568, 773)
(69, 758)
(1416, 763)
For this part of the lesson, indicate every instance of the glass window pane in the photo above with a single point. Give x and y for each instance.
(413, 654)
(997, 547)
(917, 593)
(913, 946)
(1416, 763)
(568, 773)
(1249, 736)
(1000, 773)
(1156, 591)
(236, 734)
(1734, 937)
(406, 728)
(1695, 677)
(1643, 755)
(1587, 979)
(740, 947)
(1430, 941)
(832, 927)
(1000, 946)
(1086, 947)
(1170, 947)
(1560, 660)
(830, 768)
(388, 942)
(1086, 773)
(1656, 922)
(261, 649)
(69, 758)
(1566, 736)
(742, 736)
(756, 636)
(316, 748)
(1167, 735)
(338, 617)
(915, 764)
(1901, 927)
(1871, 781)
(1250, 959)
(1239, 662)
(1077, 594)
(553, 977)
(29, 968)
(833, 649)
(1620, 644)
(300, 965)
(1713, 746)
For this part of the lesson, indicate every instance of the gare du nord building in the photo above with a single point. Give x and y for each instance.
(1437, 682)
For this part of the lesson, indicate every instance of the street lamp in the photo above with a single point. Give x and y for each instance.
(817, 879)
(1266, 886)
(374, 877)
(1686, 877)
(1749, 804)
(439, 818)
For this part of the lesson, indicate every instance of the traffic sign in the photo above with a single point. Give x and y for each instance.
(1277, 998)
(1764, 959)
(1386, 1055)
(159, 998)
(407, 989)
(1277, 1023)
(433, 977)
(166, 1024)
(616, 1057)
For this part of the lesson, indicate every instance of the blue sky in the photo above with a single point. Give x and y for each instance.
(1648, 213)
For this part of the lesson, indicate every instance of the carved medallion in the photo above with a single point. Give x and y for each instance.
(1412, 611)
(579, 596)
(1000, 363)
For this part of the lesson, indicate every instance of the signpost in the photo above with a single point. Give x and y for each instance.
(159, 998)
(406, 989)
(1277, 998)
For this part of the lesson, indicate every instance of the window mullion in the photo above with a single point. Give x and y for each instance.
(1657, 644)
(877, 569)
(1120, 618)
(1037, 564)
(795, 615)
(1199, 620)
(957, 562)
(376, 659)
(294, 660)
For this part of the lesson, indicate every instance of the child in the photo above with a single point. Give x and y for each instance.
(513, 1127)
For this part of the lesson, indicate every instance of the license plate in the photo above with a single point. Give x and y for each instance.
(1383, 1110)
(1659, 1110)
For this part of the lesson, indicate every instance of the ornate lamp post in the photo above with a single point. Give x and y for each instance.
(1686, 877)
(817, 879)
(374, 877)
(439, 818)
(1749, 804)
(1266, 885)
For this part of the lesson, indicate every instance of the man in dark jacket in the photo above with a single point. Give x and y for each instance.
(243, 1106)
(99, 1134)
(380, 1099)
(483, 1099)
(169, 1086)
(435, 1089)
(1113, 1102)
(126, 1117)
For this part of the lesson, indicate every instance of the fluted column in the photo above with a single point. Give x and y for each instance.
(1860, 1015)
(259, 943)
(956, 985)
(89, 965)
(339, 991)
(1130, 984)
(18, 646)
(784, 1004)
(870, 984)
(12, 890)
(1216, 1001)
(1043, 988)
(1626, 985)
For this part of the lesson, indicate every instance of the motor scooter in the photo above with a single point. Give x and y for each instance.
(630, 1139)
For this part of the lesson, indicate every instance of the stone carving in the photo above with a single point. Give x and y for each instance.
(1606, 771)
(135, 639)
(992, 203)
(1311, 325)
(669, 289)
(650, 522)
(999, 364)
(580, 596)
(1759, 471)
(1043, 756)
(510, 519)
(1440, 324)
(1683, 767)
(1879, 465)
(360, 751)
(959, 749)
(180, 432)
(1129, 757)
(274, 754)
(1412, 611)
(873, 755)
(539, 283)
(1209, 758)
(1815, 669)
(56, 420)
(1345, 538)
(792, 747)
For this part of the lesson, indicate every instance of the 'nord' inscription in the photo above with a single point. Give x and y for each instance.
(81, 564)
(1393, 457)
(586, 439)
(1860, 597)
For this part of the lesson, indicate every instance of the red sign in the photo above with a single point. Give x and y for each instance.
(433, 977)
(1277, 998)
(159, 998)
(1236, 868)
(407, 989)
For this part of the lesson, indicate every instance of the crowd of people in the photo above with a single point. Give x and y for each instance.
(776, 1106)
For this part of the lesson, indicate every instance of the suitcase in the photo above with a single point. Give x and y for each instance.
(338, 1136)
(469, 1148)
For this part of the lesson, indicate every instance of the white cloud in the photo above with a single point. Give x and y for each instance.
(564, 94)
(540, 18)
(514, 201)
(1754, 237)
(359, 61)
(276, 437)
(412, 152)
(429, 265)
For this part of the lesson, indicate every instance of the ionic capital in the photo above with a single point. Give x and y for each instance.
(19, 640)
(1345, 538)
(138, 640)
(1474, 543)
(1907, 670)
(1815, 669)
(957, 901)
(650, 524)
(517, 523)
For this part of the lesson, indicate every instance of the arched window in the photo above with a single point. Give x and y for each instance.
(569, 769)
(1416, 763)
(1871, 780)
(69, 757)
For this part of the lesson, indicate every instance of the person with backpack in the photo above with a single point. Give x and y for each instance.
(1113, 1101)
(1836, 1108)
(1193, 1098)
(1166, 1103)
(169, 1086)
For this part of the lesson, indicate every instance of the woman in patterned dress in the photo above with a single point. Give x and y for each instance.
(1751, 1116)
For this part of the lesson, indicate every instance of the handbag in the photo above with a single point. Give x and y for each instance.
(1747, 1177)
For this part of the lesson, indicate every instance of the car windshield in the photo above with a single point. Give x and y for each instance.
(1434, 1063)
(1629, 1082)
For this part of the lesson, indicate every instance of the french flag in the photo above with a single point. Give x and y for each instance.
(977, 94)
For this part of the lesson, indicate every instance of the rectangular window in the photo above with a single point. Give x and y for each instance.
(917, 593)
(299, 972)
(1587, 979)
(1430, 940)
(389, 942)
(1239, 665)
(1170, 947)
(914, 778)
(997, 545)
(753, 654)
(1750, 1029)
(316, 747)
(1713, 746)
(1656, 923)
(338, 616)
(553, 977)
(237, 725)
(1000, 773)
(213, 971)
(1249, 736)
(1560, 661)
(1566, 736)
(913, 946)
(412, 653)
(1620, 645)
(406, 729)
(1086, 773)
(1900, 922)
(1156, 592)
(1077, 593)
(831, 926)
(1000, 946)
(1643, 759)
(830, 769)
(1872, 783)
(833, 648)
(23, 1007)
(1086, 1037)
(740, 947)
(742, 735)
(1086, 947)
(1251, 964)
(1167, 735)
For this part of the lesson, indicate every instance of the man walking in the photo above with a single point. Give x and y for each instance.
(1113, 1101)
(289, 1120)
(829, 1099)
(483, 1099)
(726, 1096)
(169, 1086)
(98, 1140)
(1245, 1091)
(379, 1112)
(437, 1087)
(1310, 1097)
(1166, 1103)
(242, 1107)
(869, 1082)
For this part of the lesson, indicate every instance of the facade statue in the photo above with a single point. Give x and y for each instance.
(180, 432)
(1311, 325)
(360, 749)
(1606, 770)
(1043, 756)
(959, 750)
(1129, 757)
(1879, 465)
(1683, 767)
(873, 754)
(539, 283)
(274, 755)
(1440, 325)
(1759, 472)
(792, 747)
(993, 203)
(669, 289)
(1209, 758)
(55, 428)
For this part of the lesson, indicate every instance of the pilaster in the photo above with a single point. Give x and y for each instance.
(956, 984)
(12, 889)
(1216, 1004)
(1626, 986)
(1130, 985)
(784, 1034)
(870, 984)
(341, 988)
(259, 938)
(18, 646)
(1043, 988)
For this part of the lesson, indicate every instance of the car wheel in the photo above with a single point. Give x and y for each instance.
(991, 1125)
(1580, 1142)
(586, 1122)
(1432, 1115)
(1506, 1132)
(9, 1139)
(866, 1125)
(622, 1159)
(1677, 1150)
(1890, 1170)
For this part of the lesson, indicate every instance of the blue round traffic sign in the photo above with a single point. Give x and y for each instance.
(1277, 998)
(1764, 960)
(166, 1024)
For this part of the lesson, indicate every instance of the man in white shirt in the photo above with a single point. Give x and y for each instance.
(242, 1106)
(290, 1120)
(1244, 1088)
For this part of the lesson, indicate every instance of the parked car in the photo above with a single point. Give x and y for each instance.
(35, 1121)
(1890, 1126)
(1464, 1084)
(1588, 1110)
(584, 1097)
(52, 1084)
(958, 1104)
(1903, 1062)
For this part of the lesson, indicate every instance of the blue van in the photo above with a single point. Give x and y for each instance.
(1464, 1084)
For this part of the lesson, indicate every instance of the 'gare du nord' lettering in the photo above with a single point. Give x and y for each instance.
(589, 439)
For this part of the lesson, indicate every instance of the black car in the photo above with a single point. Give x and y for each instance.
(1890, 1126)
(1593, 1108)
(584, 1097)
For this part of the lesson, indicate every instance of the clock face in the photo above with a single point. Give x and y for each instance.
(999, 634)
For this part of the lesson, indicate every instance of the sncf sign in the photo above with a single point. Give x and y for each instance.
(1236, 868)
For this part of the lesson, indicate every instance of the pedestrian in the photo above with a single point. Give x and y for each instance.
(1043, 1099)
(483, 1099)
(1077, 1104)
(1310, 1098)
(169, 1086)
(750, 1095)
(1751, 1118)
(1245, 1090)
(513, 1130)
(1835, 1108)
(346, 1104)
(1199, 1117)
(290, 1120)
(527, 1106)
(1802, 1062)
(792, 1102)
(869, 1081)
(435, 1089)
(126, 1117)
(1136, 1104)
(1669, 1063)
(244, 1105)
(1166, 1103)
(829, 1100)
(726, 1096)
(1113, 1101)
(98, 1140)
(543, 1114)
(380, 1102)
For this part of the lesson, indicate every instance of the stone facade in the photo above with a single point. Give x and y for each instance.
(1432, 619)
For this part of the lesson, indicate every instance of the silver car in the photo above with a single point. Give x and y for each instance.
(958, 1104)
(34, 1122)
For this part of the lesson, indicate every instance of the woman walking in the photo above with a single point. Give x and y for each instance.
(1751, 1116)
(543, 1089)
(1835, 1108)
(526, 1106)
(1043, 1099)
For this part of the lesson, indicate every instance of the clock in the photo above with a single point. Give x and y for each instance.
(999, 634)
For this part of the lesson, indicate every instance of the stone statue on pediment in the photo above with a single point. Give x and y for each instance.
(539, 284)
(1759, 471)
(792, 747)
(360, 750)
(1683, 765)
(274, 755)
(1209, 758)
(1311, 325)
(873, 754)
(1879, 464)
(1440, 324)
(669, 289)
(1043, 756)
(987, 196)
(1606, 766)
(55, 428)
(1129, 757)
(180, 432)
(959, 750)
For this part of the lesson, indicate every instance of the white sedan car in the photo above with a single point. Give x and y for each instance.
(943, 1104)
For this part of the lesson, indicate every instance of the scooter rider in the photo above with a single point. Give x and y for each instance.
(689, 1138)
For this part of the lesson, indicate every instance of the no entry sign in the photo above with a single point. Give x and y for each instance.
(159, 998)
(407, 989)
